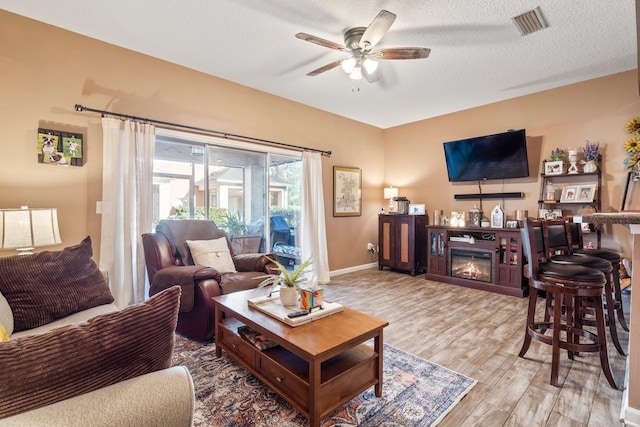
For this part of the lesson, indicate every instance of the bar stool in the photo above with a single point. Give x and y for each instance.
(577, 247)
(557, 238)
(567, 286)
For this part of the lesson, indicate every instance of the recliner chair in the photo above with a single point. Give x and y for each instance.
(169, 262)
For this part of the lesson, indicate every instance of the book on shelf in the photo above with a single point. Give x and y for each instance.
(256, 338)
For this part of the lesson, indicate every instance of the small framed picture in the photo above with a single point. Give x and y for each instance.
(416, 209)
(586, 193)
(512, 223)
(569, 194)
(550, 213)
(554, 168)
(458, 219)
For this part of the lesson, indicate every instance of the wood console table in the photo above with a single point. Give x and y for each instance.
(632, 220)
(317, 367)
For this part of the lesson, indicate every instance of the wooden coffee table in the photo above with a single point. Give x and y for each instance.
(317, 367)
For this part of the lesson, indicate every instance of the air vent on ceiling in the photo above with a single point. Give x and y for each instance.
(530, 22)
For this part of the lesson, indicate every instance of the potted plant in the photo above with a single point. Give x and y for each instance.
(555, 163)
(485, 223)
(591, 150)
(289, 282)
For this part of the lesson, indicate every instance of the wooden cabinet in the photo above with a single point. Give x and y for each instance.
(436, 255)
(483, 258)
(576, 185)
(509, 262)
(401, 242)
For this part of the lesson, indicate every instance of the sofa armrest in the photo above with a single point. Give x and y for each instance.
(184, 276)
(161, 398)
(255, 262)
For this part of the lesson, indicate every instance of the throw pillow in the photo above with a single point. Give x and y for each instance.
(38, 370)
(52, 284)
(212, 253)
(6, 315)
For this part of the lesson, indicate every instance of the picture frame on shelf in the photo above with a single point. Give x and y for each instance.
(569, 194)
(458, 219)
(554, 168)
(416, 208)
(550, 213)
(347, 191)
(586, 193)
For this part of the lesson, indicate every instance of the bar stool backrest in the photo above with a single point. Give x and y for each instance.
(533, 245)
(576, 235)
(557, 237)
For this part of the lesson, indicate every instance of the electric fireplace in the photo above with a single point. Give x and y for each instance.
(471, 263)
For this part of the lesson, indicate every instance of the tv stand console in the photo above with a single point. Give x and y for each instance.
(483, 258)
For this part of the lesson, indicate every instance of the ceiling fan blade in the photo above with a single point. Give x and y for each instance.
(401, 53)
(320, 42)
(323, 69)
(377, 29)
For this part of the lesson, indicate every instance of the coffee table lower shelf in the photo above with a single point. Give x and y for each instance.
(342, 377)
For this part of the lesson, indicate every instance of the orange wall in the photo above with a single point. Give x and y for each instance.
(596, 110)
(46, 71)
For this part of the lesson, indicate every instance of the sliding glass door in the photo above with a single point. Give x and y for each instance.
(233, 184)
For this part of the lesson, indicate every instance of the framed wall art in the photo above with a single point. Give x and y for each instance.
(586, 193)
(347, 191)
(60, 148)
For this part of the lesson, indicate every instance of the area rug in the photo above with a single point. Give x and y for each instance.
(415, 392)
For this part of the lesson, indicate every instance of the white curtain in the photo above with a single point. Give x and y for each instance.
(313, 241)
(127, 208)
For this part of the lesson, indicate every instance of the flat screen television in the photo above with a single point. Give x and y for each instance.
(498, 156)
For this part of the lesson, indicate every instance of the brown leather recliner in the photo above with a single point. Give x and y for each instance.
(169, 263)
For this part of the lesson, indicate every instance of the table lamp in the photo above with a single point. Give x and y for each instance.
(389, 193)
(25, 229)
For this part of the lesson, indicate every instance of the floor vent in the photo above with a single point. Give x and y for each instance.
(530, 22)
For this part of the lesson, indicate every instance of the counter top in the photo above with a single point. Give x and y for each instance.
(625, 217)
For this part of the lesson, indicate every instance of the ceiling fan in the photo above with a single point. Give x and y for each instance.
(360, 43)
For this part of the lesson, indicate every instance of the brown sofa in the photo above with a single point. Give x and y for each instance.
(169, 262)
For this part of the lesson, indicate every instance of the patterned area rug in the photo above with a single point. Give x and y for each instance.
(415, 392)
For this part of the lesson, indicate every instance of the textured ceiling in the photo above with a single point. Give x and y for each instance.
(477, 54)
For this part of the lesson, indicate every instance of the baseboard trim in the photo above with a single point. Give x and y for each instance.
(353, 269)
(631, 416)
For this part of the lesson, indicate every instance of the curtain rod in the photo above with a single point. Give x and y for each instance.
(225, 135)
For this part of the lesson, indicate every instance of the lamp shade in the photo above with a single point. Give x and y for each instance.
(390, 192)
(27, 228)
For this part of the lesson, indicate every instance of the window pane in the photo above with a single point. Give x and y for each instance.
(285, 173)
(176, 169)
(203, 177)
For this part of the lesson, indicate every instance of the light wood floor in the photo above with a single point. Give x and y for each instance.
(479, 334)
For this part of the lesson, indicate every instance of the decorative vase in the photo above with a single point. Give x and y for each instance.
(288, 296)
(590, 166)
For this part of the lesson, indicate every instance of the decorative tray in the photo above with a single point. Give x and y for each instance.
(274, 308)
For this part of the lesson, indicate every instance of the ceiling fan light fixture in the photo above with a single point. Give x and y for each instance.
(370, 65)
(348, 65)
(356, 74)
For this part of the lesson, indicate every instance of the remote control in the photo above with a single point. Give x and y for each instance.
(297, 314)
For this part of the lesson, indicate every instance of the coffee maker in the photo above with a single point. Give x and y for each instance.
(401, 205)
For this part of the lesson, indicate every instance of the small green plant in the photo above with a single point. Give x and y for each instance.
(557, 155)
(285, 278)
